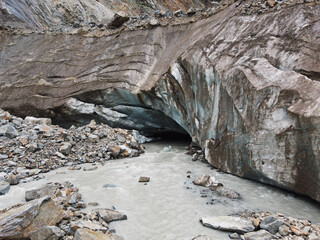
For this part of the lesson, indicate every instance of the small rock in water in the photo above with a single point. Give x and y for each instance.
(74, 168)
(167, 149)
(109, 215)
(226, 192)
(94, 204)
(205, 181)
(90, 168)
(109, 185)
(144, 179)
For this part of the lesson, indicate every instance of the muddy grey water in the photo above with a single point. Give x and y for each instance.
(166, 208)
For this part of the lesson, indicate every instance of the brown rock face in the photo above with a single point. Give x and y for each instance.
(18, 222)
(246, 88)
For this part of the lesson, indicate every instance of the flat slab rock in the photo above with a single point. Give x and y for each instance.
(88, 234)
(228, 223)
(259, 235)
(109, 215)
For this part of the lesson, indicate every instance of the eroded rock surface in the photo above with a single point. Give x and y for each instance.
(18, 222)
(244, 85)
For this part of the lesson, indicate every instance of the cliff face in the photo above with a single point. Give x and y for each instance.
(54, 14)
(245, 87)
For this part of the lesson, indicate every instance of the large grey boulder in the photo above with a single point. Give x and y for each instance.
(228, 223)
(271, 224)
(18, 222)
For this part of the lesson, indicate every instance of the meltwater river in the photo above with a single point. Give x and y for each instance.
(169, 206)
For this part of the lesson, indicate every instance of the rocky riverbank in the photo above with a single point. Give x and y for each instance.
(57, 211)
(264, 226)
(32, 146)
(250, 225)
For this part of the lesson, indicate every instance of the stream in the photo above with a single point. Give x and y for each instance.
(169, 206)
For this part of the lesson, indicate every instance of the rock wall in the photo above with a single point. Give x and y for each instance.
(50, 14)
(245, 87)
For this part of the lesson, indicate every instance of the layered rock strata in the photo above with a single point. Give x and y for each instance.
(245, 87)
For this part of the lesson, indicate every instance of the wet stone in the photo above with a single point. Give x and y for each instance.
(13, 179)
(4, 187)
(144, 179)
(271, 224)
(109, 215)
(259, 235)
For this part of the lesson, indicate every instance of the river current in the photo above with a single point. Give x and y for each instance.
(169, 206)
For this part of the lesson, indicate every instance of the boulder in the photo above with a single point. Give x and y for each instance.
(47, 190)
(228, 223)
(4, 187)
(13, 179)
(18, 222)
(34, 121)
(226, 192)
(118, 20)
(46, 233)
(205, 181)
(284, 230)
(86, 224)
(115, 151)
(109, 215)
(235, 236)
(74, 198)
(65, 148)
(8, 131)
(88, 234)
(93, 138)
(271, 224)
(259, 235)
